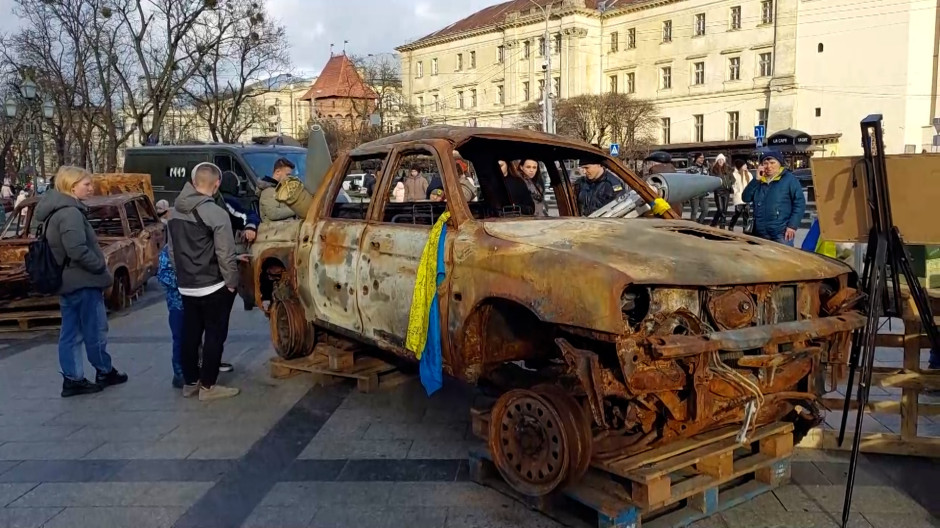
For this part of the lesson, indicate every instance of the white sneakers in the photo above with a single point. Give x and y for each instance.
(215, 392)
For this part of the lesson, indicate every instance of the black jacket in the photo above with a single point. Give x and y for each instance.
(594, 194)
(203, 247)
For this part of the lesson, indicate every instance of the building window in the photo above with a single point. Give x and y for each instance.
(667, 31)
(667, 130)
(614, 41)
(698, 73)
(766, 65)
(420, 71)
(433, 66)
(734, 69)
(699, 130)
(699, 24)
(541, 47)
(631, 83)
(556, 86)
(500, 95)
(631, 38)
(437, 103)
(818, 112)
(500, 54)
(613, 83)
(460, 100)
(766, 11)
(556, 43)
(459, 61)
(525, 90)
(736, 17)
(420, 105)
(526, 49)
(473, 98)
(762, 117)
(666, 78)
(819, 48)
(733, 125)
(541, 89)
(473, 59)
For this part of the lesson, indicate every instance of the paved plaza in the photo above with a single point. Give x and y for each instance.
(285, 454)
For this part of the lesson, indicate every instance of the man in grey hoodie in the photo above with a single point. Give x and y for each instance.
(203, 251)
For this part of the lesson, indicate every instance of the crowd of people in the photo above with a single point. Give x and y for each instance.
(763, 190)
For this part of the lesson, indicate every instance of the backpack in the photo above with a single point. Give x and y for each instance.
(45, 273)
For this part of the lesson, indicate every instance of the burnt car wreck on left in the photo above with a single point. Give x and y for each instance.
(131, 237)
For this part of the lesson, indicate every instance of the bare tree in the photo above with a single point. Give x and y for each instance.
(608, 118)
(250, 60)
(531, 117)
(165, 42)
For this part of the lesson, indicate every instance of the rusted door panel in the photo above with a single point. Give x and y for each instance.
(387, 272)
(332, 267)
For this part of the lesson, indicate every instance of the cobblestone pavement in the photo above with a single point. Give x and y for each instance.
(283, 454)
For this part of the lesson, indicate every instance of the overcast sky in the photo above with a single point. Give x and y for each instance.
(370, 26)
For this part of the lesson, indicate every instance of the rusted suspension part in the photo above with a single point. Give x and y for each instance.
(529, 443)
(577, 424)
(290, 333)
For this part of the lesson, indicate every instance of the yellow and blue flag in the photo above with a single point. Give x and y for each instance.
(815, 243)
(424, 319)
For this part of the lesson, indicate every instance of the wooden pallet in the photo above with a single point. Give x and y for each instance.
(669, 487)
(30, 320)
(330, 365)
(913, 382)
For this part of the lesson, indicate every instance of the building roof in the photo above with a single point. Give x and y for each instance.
(498, 13)
(339, 78)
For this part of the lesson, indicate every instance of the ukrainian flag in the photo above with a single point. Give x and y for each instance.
(814, 242)
(424, 320)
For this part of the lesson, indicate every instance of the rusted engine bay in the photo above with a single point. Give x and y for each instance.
(690, 360)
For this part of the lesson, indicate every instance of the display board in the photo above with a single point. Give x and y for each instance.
(914, 187)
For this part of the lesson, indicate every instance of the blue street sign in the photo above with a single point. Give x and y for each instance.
(759, 142)
(760, 132)
(615, 149)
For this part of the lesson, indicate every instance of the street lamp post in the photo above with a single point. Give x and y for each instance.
(548, 112)
(30, 105)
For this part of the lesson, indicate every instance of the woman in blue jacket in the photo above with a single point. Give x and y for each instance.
(776, 199)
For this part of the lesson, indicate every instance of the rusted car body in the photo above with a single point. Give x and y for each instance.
(129, 232)
(610, 336)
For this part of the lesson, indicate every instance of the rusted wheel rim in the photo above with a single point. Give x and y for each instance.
(529, 442)
(289, 330)
(577, 426)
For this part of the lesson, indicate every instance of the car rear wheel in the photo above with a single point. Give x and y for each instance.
(120, 296)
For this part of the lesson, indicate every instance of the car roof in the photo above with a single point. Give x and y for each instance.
(216, 146)
(459, 135)
(94, 201)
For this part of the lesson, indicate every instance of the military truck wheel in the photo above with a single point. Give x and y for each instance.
(291, 334)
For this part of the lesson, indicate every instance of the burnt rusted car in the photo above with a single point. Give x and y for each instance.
(131, 237)
(608, 336)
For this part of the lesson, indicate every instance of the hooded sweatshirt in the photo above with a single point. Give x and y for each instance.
(203, 247)
(70, 235)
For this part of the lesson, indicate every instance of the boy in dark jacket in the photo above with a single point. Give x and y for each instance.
(777, 200)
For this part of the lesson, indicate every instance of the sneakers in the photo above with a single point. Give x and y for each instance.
(225, 367)
(111, 378)
(76, 388)
(178, 382)
(217, 392)
(190, 390)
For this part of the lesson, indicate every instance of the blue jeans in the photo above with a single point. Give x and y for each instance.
(84, 319)
(176, 329)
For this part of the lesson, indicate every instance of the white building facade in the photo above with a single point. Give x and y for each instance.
(714, 68)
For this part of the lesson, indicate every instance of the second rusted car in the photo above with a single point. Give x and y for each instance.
(607, 336)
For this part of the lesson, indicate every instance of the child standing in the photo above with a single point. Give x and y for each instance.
(174, 301)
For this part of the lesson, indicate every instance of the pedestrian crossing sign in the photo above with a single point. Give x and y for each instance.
(615, 149)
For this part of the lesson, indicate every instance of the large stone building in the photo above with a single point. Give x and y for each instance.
(340, 95)
(714, 68)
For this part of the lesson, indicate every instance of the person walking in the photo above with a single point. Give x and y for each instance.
(722, 170)
(741, 176)
(203, 251)
(777, 199)
(85, 276)
(699, 203)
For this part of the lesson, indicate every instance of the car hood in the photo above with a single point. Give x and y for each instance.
(669, 252)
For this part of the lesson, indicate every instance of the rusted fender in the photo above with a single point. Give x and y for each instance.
(756, 336)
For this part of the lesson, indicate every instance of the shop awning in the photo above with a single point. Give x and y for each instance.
(790, 139)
